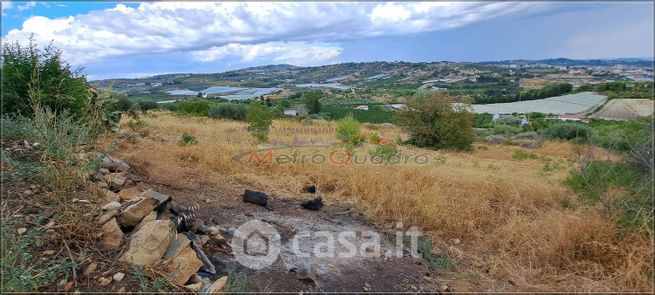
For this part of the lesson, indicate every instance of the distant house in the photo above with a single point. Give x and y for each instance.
(295, 110)
(574, 117)
(362, 107)
(395, 106)
(290, 112)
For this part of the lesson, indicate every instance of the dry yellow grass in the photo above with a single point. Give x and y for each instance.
(517, 226)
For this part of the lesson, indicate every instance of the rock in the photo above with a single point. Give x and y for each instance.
(103, 171)
(48, 252)
(315, 204)
(254, 197)
(115, 180)
(118, 276)
(309, 189)
(102, 184)
(106, 216)
(90, 269)
(113, 164)
(307, 272)
(162, 199)
(21, 230)
(208, 200)
(194, 287)
(104, 281)
(68, 286)
(98, 177)
(204, 239)
(109, 195)
(176, 245)
(456, 241)
(28, 193)
(134, 213)
(111, 206)
(62, 283)
(121, 290)
(208, 266)
(186, 264)
(178, 209)
(218, 285)
(112, 235)
(149, 244)
(197, 224)
(213, 230)
(129, 194)
(150, 217)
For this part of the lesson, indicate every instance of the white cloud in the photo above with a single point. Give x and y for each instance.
(283, 31)
(26, 6)
(295, 52)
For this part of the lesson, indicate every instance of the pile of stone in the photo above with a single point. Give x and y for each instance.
(155, 230)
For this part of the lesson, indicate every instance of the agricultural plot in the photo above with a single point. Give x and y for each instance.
(566, 104)
(625, 109)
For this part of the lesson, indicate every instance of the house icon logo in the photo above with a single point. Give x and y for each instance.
(256, 244)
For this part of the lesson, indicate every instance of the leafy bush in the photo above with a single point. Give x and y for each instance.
(349, 131)
(569, 131)
(506, 129)
(260, 119)
(32, 76)
(136, 125)
(375, 138)
(434, 121)
(188, 139)
(147, 105)
(197, 107)
(227, 110)
(384, 152)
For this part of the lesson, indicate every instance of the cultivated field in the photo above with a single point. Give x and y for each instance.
(506, 224)
(625, 109)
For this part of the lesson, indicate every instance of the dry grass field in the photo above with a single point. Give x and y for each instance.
(507, 224)
(625, 109)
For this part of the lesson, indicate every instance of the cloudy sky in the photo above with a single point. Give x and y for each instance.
(112, 39)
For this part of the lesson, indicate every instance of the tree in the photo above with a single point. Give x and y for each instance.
(312, 103)
(435, 121)
(259, 118)
(60, 87)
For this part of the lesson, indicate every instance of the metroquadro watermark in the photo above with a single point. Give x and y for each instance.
(300, 155)
(256, 244)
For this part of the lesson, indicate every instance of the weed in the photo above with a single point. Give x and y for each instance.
(521, 155)
(146, 283)
(384, 152)
(188, 139)
(21, 272)
(435, 261)
(237, 281)
(136, 125)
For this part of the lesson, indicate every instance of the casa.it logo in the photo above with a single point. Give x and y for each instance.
(256, 244)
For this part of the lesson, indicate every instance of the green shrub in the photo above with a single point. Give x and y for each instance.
(33, 76)
(569, 131)
(147, 105)
(349, 131)
(433, 121)
(227, 110)
(136, 125)
(188, 139)
(375, 138)
(197, 107)
(384, 152)
(259, 118)
(506, 129)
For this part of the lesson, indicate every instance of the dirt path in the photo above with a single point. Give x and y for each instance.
(222, 205)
